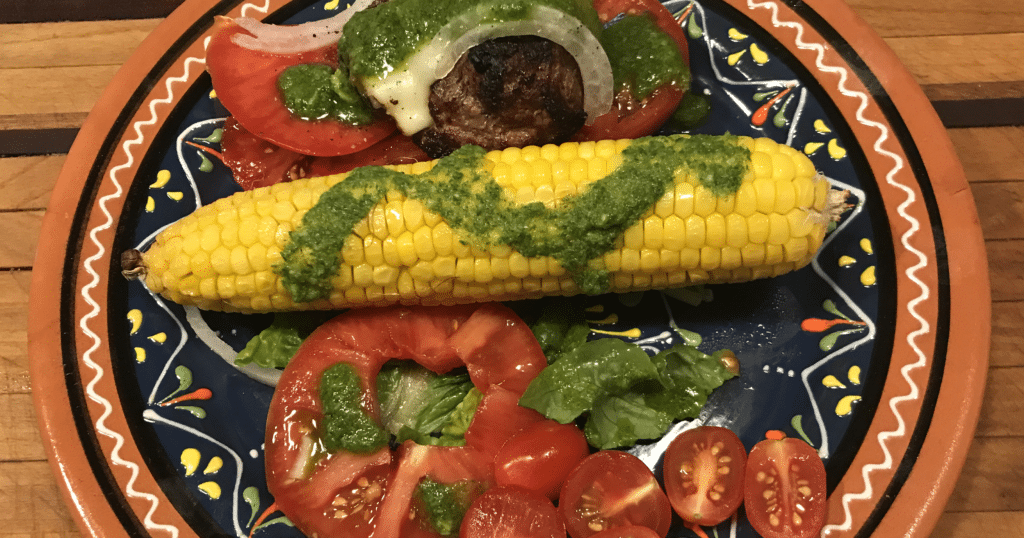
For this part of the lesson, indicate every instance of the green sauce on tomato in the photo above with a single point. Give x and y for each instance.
(444, 505)
(461, 191)
(381, 39)
(316, 91)
(643, 57)
(347, 426)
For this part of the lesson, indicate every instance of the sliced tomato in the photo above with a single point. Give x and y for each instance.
(395, 149)
(245, 81)
(642, 120)
(628, 531)
(255, 163)
(629, 118)
(609, 9)
(511, 512)
(540, 457)
(318, 491)
(784, 488)
(703, 474)
(499, 417)
(611, 489)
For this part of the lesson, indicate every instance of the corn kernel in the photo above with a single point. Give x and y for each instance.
(710, 258)
(444, 266)
(704, 202)
(736, 230)
(654, 232)
(778, 229)
(257, 255)
(785, 196)
(630, 260)
(696, 231)
(674, 236)
(220, 259)
(716, 232)
(732, 258)
(362, 275)
(389, 247)
(413, 212)
(758, 228)
(650, 260)
(765, 195)
(240, 261)
(352, 250)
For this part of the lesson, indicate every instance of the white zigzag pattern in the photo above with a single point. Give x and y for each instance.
(911, 272)
(95, 309)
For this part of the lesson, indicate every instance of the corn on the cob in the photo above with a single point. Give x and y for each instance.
(228, 255)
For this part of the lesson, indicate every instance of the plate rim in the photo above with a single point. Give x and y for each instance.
(915, 509)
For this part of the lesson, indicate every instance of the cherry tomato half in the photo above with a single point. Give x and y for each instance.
(540, 457)
(703, 474)
(246, 84)
(611, 489)
(784, 488)
(629, 531)
(511, 512)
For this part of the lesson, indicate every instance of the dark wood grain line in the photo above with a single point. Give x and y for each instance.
(22, 142)
(997, 112)
(22, 11)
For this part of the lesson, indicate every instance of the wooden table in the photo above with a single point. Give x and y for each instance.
(966, 55)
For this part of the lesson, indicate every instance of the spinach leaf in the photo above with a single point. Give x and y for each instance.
(275, 346)
(689, 377)
(574, 383)
(418, 404)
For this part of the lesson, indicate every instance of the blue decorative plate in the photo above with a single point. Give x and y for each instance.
(162, 435)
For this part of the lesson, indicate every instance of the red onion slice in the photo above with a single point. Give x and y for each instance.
(291, 39)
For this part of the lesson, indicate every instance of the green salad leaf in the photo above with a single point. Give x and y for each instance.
(275, 346)
(429, 408)
(620, 393)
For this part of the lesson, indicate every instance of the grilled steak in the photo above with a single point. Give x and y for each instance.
(510, 91)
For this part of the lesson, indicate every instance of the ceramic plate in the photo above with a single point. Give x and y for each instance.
(874, 354)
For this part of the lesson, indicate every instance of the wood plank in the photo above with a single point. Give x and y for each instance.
(1002, 410)
(991, 477)
(72, 44)
(1005, 258)
(21, 440)
(14, 363)
(26, 182)
(58, 90)
(1007, 340)
(963, 524)
(31, 504)
(18, 249)
(974, 90)
(1002, 208)
(990, 154)
(940, 17)
(957, 59)
(49, 120)
(26, 11)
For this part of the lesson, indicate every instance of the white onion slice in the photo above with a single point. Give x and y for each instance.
(405, 91)
(290, 39)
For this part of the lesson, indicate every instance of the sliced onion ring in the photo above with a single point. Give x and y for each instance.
(290, 39)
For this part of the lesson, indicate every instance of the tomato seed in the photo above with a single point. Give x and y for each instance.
(797, 520)
(804, 490)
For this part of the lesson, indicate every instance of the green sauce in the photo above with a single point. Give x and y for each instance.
(379, 40)
(460, 190)
(346, 425)
(643, 57)
(315, 91)
(445, 504)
